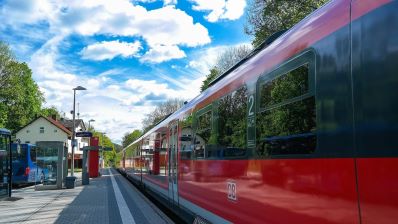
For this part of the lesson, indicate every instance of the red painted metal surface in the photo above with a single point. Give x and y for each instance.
(274, 191)
(93, 158)
(156, 163)
(378, 190)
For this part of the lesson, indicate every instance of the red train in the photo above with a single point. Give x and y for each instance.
(302, 131)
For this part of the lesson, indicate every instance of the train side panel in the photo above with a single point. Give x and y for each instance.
(375, 81)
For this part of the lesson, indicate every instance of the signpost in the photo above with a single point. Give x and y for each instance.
(85, 134)
(107, 148)
(85, 174)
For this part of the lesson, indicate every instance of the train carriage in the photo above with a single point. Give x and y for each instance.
(303, 130)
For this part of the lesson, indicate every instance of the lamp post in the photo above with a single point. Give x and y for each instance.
(91, 120)
(73, 130)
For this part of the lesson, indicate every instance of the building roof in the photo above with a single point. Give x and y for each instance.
(69, 123)
(58, 125)
(53, 122)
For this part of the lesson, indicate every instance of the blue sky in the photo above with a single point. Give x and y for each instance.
(130, 55)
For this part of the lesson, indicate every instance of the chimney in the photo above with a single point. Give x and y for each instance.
(54, 117)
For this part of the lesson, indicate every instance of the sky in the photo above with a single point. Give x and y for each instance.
(129, 54)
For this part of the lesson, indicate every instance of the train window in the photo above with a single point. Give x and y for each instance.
(202, 135)
(232, 125)
(285, 87)
(186, 137)
(286, 122)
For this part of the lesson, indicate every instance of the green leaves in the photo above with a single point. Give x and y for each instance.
(265, 17)
(210, 77)
(20, 97)
(129, 138)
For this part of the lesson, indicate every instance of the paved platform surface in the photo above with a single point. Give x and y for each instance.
(108, 199)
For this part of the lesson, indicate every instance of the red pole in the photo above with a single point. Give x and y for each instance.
(93, 158)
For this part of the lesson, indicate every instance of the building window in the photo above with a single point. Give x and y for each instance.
(286, 122)
(27, 142)
(41, 129)
(27, 131)
(55, 130)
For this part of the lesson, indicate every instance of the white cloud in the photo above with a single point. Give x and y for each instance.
(220, 9)
(110, 49)
(204, 59)
(117, 106)
(170, 2)
(20, 11)
(165, 2)
(163, 53)
(166, 26)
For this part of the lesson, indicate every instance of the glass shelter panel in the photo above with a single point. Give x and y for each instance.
(47, 162)
(4, 165)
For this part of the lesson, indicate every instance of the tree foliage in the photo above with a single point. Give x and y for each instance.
(50, 111)
(6, 57)
(20, 97)
(129, 138)
(105, 141)
(160, 112)
(225, 61)
(210, 77)
(265, 17)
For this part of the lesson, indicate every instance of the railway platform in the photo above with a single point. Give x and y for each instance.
(108, 199)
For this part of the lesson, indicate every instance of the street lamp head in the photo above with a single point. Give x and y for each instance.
(79, 88)
(91, 120)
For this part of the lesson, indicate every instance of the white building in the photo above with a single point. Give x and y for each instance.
(47, 129)
(81, 142)
(44, 129)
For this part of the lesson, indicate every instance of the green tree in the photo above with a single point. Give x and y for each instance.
(50, 111)
(20, 97)
(265, 17)
(210, 77)
(129, 138)
(105, 141)
(6, 57)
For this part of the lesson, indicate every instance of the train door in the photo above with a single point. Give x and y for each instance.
(172, 159)
(5, 165)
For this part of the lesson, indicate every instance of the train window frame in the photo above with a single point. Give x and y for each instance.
(197, 114)
(306, 57)
(186, 138)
